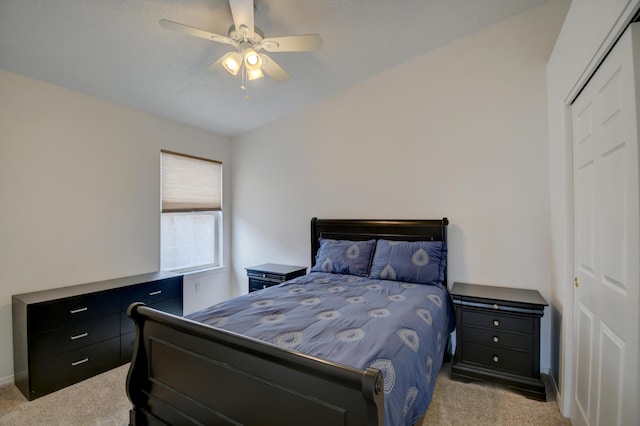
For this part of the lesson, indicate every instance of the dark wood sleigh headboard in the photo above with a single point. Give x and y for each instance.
(367, 229)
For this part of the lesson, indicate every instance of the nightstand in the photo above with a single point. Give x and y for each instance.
(498, 337)
(269, 274)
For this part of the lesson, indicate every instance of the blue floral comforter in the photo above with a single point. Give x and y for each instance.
(398, 328)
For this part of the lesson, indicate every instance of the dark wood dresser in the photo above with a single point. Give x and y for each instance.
(498, 337)
(64, 335)
(268, 274)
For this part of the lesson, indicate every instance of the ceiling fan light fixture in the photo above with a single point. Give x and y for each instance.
(255, 74)
(251, 59)
(232, 62)
(247, 39)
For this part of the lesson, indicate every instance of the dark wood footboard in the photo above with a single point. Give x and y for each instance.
(184, 372)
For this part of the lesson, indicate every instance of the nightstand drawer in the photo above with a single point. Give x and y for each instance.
(498, 358)
(498, 338)
(270, 274)
(273, 278)
(497, 321)
(259, 284)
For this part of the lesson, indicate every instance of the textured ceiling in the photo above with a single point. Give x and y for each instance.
(116, 50)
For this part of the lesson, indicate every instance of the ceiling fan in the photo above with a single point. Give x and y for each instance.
(248, 41)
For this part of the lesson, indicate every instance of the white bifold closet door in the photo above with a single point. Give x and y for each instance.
(606, 240)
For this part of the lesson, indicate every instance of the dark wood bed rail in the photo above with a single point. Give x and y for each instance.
(184, 372)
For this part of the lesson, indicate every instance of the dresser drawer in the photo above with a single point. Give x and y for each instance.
(127, 342)
(498, 358)
(56, 372)
(499, 338)
(128, 328)
(497, 321)
(151, 293)
(67, 334)
(74, 336)
(172, 306)
(57, 313)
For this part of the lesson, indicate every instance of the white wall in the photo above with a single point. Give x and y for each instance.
(590, 29)
(459, 132)
(80, 191)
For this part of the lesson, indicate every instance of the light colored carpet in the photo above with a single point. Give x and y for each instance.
(99, 401)
(480, 404)
(102, 401)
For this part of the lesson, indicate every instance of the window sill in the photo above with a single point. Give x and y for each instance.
(192, 271)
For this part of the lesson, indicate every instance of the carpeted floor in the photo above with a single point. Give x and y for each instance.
(98, 401)
(102, 401)
(481, 404)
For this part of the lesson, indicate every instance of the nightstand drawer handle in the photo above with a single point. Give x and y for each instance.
(496, 359)
(82, 361)
(496, 323)
(79, 336)
(155, 293)
(77, 311)
(495, 339)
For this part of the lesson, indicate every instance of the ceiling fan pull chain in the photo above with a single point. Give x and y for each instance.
(245, 83)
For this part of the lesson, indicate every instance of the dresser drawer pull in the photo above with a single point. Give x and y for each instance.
(79, 336)
(495, 306)
(496, 323)
(77, 311)
(82, 361)
(155, 293)
(495, 339)
(496, 359)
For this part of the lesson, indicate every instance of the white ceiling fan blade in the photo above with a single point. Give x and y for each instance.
(273, 70)
(297, 43)
(242, 11)
(196, 32)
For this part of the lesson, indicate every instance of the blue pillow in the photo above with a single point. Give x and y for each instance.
(420, 262)
(344, 257)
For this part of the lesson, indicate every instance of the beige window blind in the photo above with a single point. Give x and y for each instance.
(190, 183)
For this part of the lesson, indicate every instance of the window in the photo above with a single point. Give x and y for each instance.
(191, 218)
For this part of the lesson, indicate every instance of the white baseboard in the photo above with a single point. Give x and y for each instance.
(6, 380)
(554, 388)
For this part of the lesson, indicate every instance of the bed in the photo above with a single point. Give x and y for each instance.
(357, 341)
